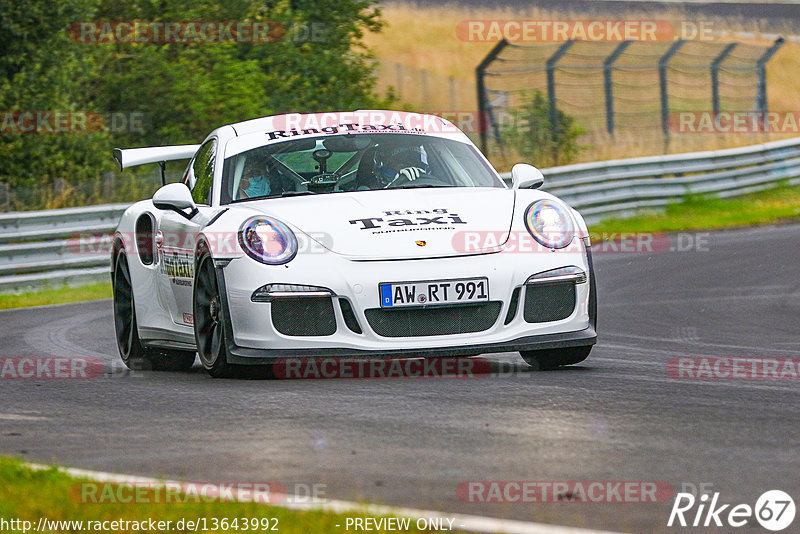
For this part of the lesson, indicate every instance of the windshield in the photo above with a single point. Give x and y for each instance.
(344, 163)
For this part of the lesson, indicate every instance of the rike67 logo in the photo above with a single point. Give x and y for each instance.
(774, 510)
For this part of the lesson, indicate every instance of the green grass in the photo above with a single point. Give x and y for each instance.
(56, 296)
(29, 495)
(706, 213)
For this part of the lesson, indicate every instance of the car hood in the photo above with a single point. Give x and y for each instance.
(400, 224)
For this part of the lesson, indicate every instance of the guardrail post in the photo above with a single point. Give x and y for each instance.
(483, 100)
(550, 66)
(761, 68)
(715, 75)
(608, 65)
(662, 80)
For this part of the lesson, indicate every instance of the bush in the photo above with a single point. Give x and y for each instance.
(532, 136)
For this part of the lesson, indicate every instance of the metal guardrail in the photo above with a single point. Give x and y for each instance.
(622, 187)
(43, 248)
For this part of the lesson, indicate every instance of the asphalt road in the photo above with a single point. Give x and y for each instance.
(619, 416)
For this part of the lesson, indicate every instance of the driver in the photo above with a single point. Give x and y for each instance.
(398, 163)
(254, 181)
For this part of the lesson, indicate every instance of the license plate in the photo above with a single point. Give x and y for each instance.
(434, 292)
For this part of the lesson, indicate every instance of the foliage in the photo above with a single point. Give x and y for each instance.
(531, 133)
(178, 92)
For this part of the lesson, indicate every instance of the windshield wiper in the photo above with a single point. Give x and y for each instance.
(296, 193)
(420, 186)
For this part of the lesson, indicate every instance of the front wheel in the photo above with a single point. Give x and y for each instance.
(210, 327)
(550, 359)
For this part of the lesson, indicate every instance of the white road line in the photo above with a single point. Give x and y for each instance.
(468, 523)
(19, 417)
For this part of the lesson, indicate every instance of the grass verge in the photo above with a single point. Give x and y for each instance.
(62, 295)
(708, 213)
(29, 495)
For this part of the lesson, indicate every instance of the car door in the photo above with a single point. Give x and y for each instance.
(177, 236)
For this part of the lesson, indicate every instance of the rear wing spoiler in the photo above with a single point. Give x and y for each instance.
(132, 157)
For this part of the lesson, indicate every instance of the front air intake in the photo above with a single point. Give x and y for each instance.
(305, 316)
(549, 302)
(433, 321)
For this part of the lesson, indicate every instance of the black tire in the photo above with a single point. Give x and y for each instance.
(209, 322)
(550, 359)
(133, 354)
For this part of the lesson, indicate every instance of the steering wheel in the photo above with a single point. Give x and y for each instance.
(424, 179)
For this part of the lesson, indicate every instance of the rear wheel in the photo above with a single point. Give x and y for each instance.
(134, 355)
(550, 359)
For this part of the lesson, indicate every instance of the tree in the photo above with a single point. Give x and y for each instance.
(41, 70)
(184, 90)
(320, 63)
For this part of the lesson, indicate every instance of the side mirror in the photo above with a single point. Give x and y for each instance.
(176, 197)
(524, 176)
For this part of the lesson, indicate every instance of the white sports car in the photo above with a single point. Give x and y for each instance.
(361, 234)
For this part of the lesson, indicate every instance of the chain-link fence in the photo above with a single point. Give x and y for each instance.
(646, 90)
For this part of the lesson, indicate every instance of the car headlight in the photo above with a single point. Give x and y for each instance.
(550, 223)
(268, 240)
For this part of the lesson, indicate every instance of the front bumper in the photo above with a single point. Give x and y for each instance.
(251, 338)
(585, 337)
